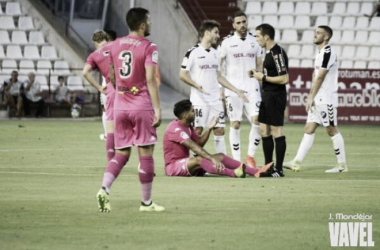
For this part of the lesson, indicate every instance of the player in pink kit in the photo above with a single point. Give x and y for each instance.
(99, 59)
(180, 137)
(137, 109)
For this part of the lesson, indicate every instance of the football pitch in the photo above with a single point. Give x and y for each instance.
(51, 170)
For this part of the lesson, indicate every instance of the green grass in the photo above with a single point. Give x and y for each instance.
(51, 170)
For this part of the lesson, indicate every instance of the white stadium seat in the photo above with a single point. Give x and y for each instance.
(25, 23)
(286, 8)
(254, 21)
(347, 37)
(319, 8)
(285, 22)
(2, 54)
(31, 52)
(360, 65)
(375, 52)
(374, 38)
(362, 52)
(374, 65)
(294, 51)
(13, 8)
(337, 36)
(375, 23)
(61, 68)
(7, 23)
(269, 7)
(353, 8)
(36, 37)
(74, 83)
(339, 8)
(294, 63)
(362, 23)
(338, 50)
(302, 8)
(14, 52)
(308, 36)
(44, 67)
(19, 37)
(346, 64)
(4, 37)
(9, 65)
(271, 19)
(302, 22)
(253, 8)
(289, 35)
(321, 20)
(348, 52)
(307, 51)
(307, 63)
(366, 8)
(48, 52)
(361, 37)
(349, 22)
(335, 22)
(26, 67)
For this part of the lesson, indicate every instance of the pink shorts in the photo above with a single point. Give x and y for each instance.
(134, 128)
(178, 168)
(109, 102)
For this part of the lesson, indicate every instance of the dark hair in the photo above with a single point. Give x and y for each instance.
(112, 35)
(135, 17)
(99, 36)
(182, 107)
(266, 29)
(208, 25)
(327, 29)
(60, 77)
(238, 13)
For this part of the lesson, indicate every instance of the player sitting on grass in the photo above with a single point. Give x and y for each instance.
(180, 137)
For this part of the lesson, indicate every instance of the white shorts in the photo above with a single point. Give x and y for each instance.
(325, 115)
(236, 106)
(204, 114)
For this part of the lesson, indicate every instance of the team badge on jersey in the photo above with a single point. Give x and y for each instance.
(155, 56)
(184, 135)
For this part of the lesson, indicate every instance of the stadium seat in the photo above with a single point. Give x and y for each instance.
(302, 8)
(362, 23)
(25, 23)
(271, 19)
(307, 63)
(1, 11)
(361, 37)
(61, 68)
(254, 21)
(7, 23)
(41, 79)
(321, 20)
(366, 8)
(302, 22)
(253, 8)
(289, 35)
(348, 52)
(26, 67)
(74, 83)
(19, 37)
(48, 52)
(4, 37)
(22, 78)
(44, 67)
(337, 35)
(374, 65)
(346, 64)
(375, 24)
(335, 22)
(294, 51)
(338, 50)
(277, 35)
(349, 22)
(319, 8)
(14, 52)
(362, 52)
(347, 37)
(31, 52)
(307, 36)
(286, 8)
(54, 82)
(9, 65)
(36, 37)
(13, 9)
(307, 51)
(375, 52)
(294, 63)
(285, 22)
(352, 8)
(339, 8)
(2, 54)
(269, 7)
(374, 38)
(360, 65)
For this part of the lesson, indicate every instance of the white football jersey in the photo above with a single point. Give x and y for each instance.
(203, 66)
(327, 59)
(240, 57)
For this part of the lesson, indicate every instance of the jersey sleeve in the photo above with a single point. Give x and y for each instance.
(151, 56)
(178, 136)
(328, 58)
(281, 61)
(223, 49)
(91, 61)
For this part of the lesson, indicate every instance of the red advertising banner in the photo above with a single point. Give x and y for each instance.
(358, 95)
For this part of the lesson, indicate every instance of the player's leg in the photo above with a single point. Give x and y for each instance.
(209, 167)
(235, 113)
(219, 142)
(200, 121)
(251, 111)
(110, 139)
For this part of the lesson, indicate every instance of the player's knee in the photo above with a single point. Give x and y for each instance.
(218, 131)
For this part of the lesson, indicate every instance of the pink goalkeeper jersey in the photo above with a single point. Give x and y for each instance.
(99, 59)
(129, 55)
(176, 134)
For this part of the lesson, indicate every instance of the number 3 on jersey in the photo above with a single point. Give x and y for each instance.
(126, 69)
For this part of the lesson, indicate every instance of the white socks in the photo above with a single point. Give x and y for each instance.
(235, 143)
(219, 144)
(338, 144)
(254, 140)
(306, 143)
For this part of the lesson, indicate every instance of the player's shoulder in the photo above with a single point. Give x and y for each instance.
(194, 48)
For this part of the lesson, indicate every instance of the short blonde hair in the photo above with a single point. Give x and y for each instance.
(99, 36)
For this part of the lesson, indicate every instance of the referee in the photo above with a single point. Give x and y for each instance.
(272, 108)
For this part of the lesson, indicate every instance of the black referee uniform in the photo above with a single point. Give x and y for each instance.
(273, 103)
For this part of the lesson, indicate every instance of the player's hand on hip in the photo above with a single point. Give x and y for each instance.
(200, 88)
(241, 94)
(309, 104)
(251, 73)
(213, 122)
(219, 166)
(102, 90)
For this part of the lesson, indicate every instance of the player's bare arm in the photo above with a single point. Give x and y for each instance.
(185, 77)
(315, 86)
(150, 74)
(223, 81)
(86, 72)
(112, 75)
